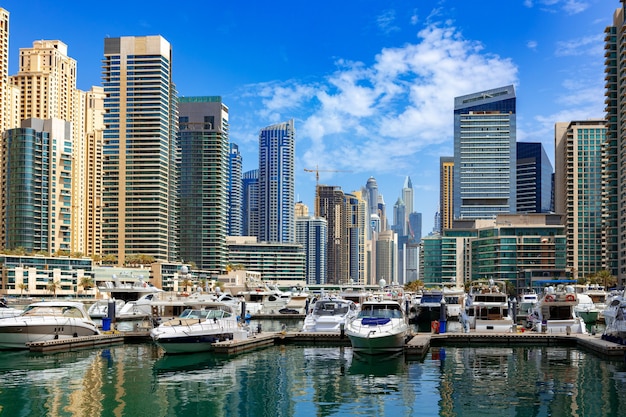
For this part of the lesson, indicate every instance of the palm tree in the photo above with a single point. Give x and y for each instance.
(22, 287)
(53, 286)
(186, 283)
(86, 282)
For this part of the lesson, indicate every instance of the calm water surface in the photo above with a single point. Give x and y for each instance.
(139, 380)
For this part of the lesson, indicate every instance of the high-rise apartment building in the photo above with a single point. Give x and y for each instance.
(38, 185)
(332, 207)
(204, 179)
(356, 223)
(534, 178)
(386, 257)
(141, 152)
(91, 166)
(235, 163)
(485, 154)
(446, 193)
(407, 197)
(277, 153)
(579, 191)
(9, 95)
(614, 219)
(311, 233)
(250, 203)
(47, 83)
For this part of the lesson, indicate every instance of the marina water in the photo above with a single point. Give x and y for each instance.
(135, 380)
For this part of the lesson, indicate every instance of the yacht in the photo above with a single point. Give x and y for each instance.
(615, 320)
(555, 311)
(46, 320)
(198, 327)
(6, 311)
(329, 315)
(488, 307)
(527, 302)
(586, 309)
(455, 301)
(429, 308)
(380, 327)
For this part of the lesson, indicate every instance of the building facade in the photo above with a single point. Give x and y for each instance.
(485, 154)
(38, 186)
(311, 233)
(446, 193)
(141, 153)
(534, 178)
(204, 180)
(277, 147)
(250, 203)
(579, 191)
(235, 190)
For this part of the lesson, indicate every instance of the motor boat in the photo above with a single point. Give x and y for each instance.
(615, 320)
(555, 311)
(198, 327)
(488, 307)
(135, 294)
(527, 302)
(46, 320)
(429, 307)
(455, 301)
(329, 315)
(586, 309)
(381, 326)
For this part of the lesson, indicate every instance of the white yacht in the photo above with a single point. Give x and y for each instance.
(615, 320)
(198, 327)
(555, 311)
(455, 301)
(488, 307)
(46, 320)
(329, 315)
(6, 311)
(380, 327)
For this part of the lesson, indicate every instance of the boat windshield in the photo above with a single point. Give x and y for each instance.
(384, 311)
(63, 311)
(330, 308)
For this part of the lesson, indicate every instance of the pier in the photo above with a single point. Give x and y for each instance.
(417, 346)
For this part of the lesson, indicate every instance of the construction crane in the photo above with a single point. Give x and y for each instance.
(317, 172)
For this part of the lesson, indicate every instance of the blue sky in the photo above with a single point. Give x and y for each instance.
(370, 84)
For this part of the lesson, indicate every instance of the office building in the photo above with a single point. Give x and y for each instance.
(534, 178)
(332, 207)
(204, 180)
(141, 153)
(250, 203)
(277, 147)
(485, 154)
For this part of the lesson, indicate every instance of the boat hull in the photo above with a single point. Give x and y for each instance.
(16, 333)
(382, 342)
(193, 343)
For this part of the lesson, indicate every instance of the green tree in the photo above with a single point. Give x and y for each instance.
(414, 286)
(22, 287)
(86, 282)
(186, 283)
(53, 287)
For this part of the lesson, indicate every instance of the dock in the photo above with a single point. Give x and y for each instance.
(74, 343)
(417, 345)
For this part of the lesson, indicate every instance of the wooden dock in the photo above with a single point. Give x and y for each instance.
(74, 343)
(417, 345)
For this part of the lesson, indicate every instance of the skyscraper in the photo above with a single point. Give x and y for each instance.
(141, 153)
(277, 148)
(446, 192)
(37, 192)
(234, 226)
(485, 154)
(332, 207)
(613, 235)
(250, 203)
(407, 197)
(311, 233)
(578, 191)
(9, 116)
(204, 180)
(534, 178)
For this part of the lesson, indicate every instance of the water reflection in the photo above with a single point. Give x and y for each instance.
(139, 380)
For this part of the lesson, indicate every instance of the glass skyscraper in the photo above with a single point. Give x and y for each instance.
(204, 180)
(534, 178)
(277, 151)
(141, 152)
(485, 154)
(235, 186)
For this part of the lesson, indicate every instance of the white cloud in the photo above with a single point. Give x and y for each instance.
(532, 45)
(589, 45)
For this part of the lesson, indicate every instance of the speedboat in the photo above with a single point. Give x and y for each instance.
(381, 326)
(615, 320)
(586, 309)
(555, 311)
(46, 320)
(527, 302)
(198, 327)
(330, 315)
(488, 307)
